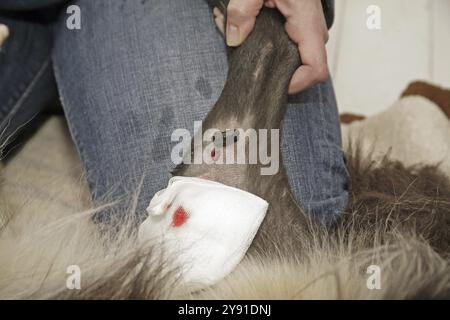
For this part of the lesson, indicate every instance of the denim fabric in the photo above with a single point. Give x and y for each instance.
(137, 70)
(312, 152)
(26, 78)
(21, 5)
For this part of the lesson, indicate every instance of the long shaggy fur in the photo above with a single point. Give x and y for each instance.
(388, 196)
(398, 218)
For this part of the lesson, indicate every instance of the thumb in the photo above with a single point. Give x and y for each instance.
(241, 17)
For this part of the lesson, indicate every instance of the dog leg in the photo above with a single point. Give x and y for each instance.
(254, 98)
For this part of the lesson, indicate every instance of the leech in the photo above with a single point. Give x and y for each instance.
(215, 154)
(226, 136)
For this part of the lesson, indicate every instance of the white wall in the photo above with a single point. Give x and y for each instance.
(370, 68)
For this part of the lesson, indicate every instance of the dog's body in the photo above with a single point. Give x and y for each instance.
(267, 59)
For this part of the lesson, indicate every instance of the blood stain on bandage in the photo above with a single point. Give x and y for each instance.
(179, 217)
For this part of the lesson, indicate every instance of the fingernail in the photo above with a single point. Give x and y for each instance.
(233, 37)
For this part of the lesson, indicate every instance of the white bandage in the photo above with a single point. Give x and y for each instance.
(204, 227)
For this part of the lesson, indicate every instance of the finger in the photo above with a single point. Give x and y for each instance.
(4, 33)
(241, 17)
(219, 19)
(270, 4)
(220, 23)
(217, 12)
(314, 67)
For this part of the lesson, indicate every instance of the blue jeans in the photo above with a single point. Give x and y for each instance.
(137, 70)
(27, 84)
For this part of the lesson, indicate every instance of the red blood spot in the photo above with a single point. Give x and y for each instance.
(215, 154)
(179, 217)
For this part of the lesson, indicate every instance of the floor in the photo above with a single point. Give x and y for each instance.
(370, 68)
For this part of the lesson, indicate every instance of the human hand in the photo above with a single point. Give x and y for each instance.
(4, 33)
(305, 25)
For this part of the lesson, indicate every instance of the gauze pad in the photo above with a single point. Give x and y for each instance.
(203, 227)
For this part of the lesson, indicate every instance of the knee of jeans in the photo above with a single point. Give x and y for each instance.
(322, 188)
(327, 211)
